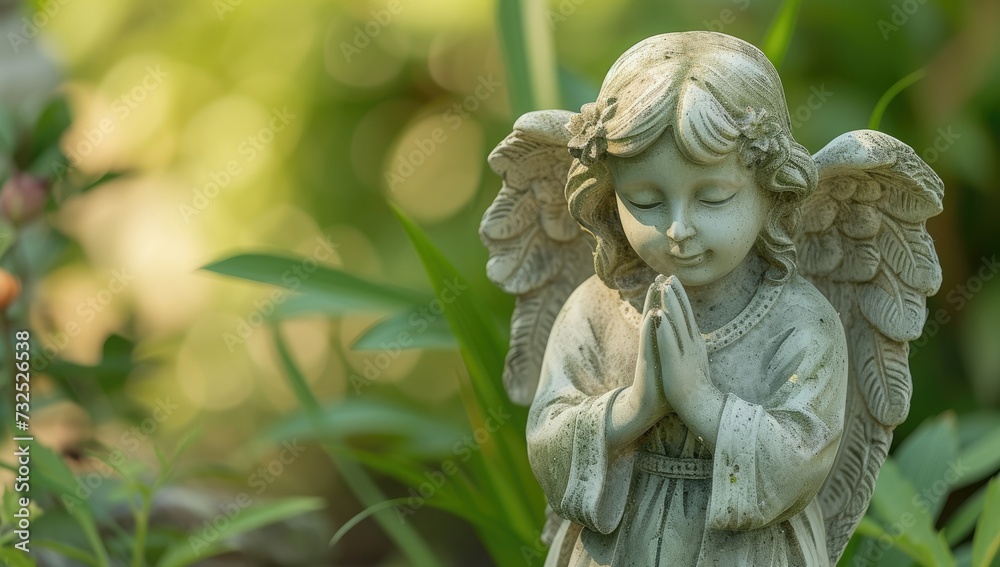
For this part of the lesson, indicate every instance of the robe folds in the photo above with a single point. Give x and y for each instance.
(667, 499)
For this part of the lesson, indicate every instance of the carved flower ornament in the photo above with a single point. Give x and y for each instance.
(762, 135)
(589, 142)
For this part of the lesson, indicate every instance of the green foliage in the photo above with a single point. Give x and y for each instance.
(883, 102)
(528, 54)
(779, 34)
(491, 486)
(929, 465)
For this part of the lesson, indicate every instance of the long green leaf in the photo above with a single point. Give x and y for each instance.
(986, 542)
(361, 516)
(892, 503)
(51, 473)
(414, 329)
(483, 352)
(189, 551)
(779, 33)
(963, 521)
(14, 558)
(927, 458)
(980, 459)
(67, 550)
(886, 98)
(408, 540)
(870, 528)
(410, 431)
(532, 81)
(333, 288)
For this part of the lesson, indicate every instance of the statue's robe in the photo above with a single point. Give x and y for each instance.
(667, 499)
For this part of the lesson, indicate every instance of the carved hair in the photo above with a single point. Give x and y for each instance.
(715, 94)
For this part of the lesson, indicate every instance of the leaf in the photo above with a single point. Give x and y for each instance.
(361, 516)
(337, 290)
(183, 553)
(483, 350)
(8, 132)
(100, 388)
(414, 329)
(409, 541)
(872, 529)
(927, 457)
(963, 521)
(529, 55)
(981, 458)
(67, 550)
(891, 502)
(986, 542)
(408, 430)
(779, 33)
(8, 235)
(15, 558)
(51, 473)
(52, 122)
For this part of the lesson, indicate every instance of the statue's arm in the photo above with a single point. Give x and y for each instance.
(771, 459)
(574, 454)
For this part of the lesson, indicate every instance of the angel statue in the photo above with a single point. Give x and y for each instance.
(711, 324)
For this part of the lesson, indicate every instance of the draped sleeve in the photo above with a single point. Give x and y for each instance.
(771, 458)
(584, 480)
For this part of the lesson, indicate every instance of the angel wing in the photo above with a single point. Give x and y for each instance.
(538, 252)
(864, 244)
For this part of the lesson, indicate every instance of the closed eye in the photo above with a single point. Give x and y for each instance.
(645, 207)
(718, 203)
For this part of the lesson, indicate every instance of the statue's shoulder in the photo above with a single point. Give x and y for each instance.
(593, 299)
(803, 306)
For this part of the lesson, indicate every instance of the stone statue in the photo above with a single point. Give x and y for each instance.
(711, 324)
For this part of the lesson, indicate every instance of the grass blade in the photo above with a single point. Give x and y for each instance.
(887, 96)
(483, 351)
(334, 290)
(408, 540)
(779, 34)
(361, 516)
(184, 552)
(532, 81)
(986, 542)
(408, 330)
(963, 521)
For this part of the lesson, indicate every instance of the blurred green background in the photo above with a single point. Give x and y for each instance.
(196, 131)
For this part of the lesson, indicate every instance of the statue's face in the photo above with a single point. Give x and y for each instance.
(697, 222)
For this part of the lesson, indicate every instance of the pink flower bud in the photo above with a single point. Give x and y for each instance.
(10, 288)
(23, 197)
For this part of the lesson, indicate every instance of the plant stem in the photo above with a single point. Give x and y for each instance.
(141, 526)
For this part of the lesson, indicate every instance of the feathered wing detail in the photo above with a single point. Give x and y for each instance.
(538, 252)
(864, 244)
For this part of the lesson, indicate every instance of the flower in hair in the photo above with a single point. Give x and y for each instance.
(589, 142)
(762, 136)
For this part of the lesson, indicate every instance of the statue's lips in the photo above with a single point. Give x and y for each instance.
(688, 260)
